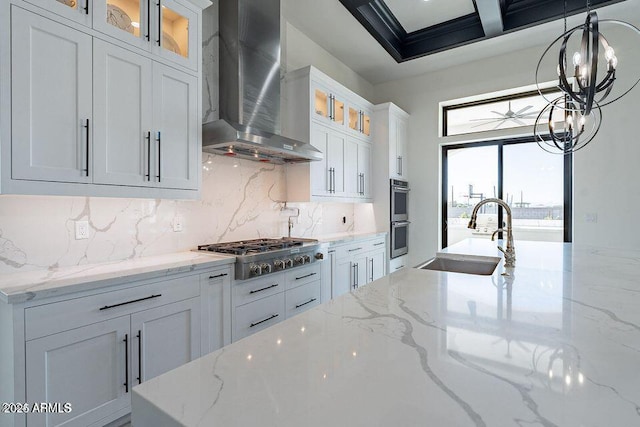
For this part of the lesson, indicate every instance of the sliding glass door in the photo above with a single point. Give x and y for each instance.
(535, 184)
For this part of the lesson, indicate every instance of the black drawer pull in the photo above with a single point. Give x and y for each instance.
(255, 291)
(304, 277)
(126, 363)
(356, 249)
(217, 275)
(378, 244)
(107, 307)
(305, 303)
(273, 316)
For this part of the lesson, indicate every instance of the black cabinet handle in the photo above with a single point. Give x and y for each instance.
(126, 363)
(87, 132)
(217, 275)
(159, 140)
(273, 316)
(356, 249)
(86, 7)
(378, 244)
(148, 138)
(255, 291)
(139, 336)
(107, 307)
(146, 36)
(304, 277)
(305, 303)
(159, 40)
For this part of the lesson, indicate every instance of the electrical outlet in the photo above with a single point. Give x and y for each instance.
(177, 224)
(82, 230)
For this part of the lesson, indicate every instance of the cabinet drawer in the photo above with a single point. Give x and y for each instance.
(302, 298)
(302, 275)
(246, 291)
(346, 251)
(61, 316)
(377, 243)
(258, 315)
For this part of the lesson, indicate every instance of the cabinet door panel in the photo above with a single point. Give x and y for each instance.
(335, 160)
(127, 20)
(76, 10)
(83, 366)
(344, 278)
(169, 336)
(351, 172)
(401, 144)
(176, 122)
(320, 175)
(376, 267)
(364, 170)
(122, 116)
(179, 30)
(51, 99)
(360, 267)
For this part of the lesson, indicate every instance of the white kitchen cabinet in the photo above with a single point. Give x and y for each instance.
(398, 147)
(364, 170)
(87, 367)
(176, 127)
(145, 127)
(215, 296)
(76, 10)
(315, 110)
(85, 114)
(164, 338)
(258, 315)
(357, 264)
(123, 113)
(51, 107)
(327, 175)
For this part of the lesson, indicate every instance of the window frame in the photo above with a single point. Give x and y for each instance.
(501, 143)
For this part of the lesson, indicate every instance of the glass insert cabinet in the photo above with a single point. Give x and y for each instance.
(164, 27)
(359, 121)
(329, 106)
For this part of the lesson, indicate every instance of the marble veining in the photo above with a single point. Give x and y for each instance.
(543, 346)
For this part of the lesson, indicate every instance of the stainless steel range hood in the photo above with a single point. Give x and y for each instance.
(249, 125)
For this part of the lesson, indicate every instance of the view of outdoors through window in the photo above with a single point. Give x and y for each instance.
(532, 186)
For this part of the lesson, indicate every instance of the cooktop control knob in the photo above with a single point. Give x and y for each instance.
(307, 259)
(256, 270)
(266, 268)
(279, 264)
(299, 259)
(319, 255)
(288, 263)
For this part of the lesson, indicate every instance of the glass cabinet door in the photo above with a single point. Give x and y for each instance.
(127, 20)
(354, 119)
(338, 111)
(322, 103)
(176, 36)
(366, 123)
(359, 121)
(76, 10)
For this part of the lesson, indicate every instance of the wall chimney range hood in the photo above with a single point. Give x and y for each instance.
(249, 125)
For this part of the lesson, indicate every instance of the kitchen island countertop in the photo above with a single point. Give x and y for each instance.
(556, 343)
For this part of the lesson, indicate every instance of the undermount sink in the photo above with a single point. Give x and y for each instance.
(467, 264)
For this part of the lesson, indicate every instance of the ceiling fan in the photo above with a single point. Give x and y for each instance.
(514, 116)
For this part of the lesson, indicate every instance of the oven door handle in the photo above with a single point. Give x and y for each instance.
(400, 224)
(401, 189)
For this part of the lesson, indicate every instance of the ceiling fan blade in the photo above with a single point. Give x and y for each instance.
(498, 125)
(520, 122)
(500, 114)
(487, 123)
(523, 110)
(486, 118)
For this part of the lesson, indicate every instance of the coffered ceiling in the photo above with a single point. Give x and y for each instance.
(410, 29)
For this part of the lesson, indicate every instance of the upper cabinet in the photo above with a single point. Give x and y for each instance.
(392, 140)
(90, 115)
(337, 122)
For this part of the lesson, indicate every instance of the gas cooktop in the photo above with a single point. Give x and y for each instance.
(258, 257)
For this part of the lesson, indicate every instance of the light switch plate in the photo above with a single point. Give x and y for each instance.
(177, 224)
(82, 230)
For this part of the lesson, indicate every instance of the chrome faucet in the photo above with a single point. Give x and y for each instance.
(291, 217)
(510, 251)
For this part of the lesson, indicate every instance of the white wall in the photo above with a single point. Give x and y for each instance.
(606, 174)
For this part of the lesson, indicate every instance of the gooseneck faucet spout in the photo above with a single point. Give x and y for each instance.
(510, 251)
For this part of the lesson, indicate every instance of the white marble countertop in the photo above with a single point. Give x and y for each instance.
(340, 238)
(20, 287)
(555, 344)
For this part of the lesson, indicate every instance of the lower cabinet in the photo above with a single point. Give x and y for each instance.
(264, 301)
(90, 350)
(357, 264)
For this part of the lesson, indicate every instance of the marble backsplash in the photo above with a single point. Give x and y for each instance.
(240, 200)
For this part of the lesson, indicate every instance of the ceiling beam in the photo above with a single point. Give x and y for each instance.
(490, 16)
